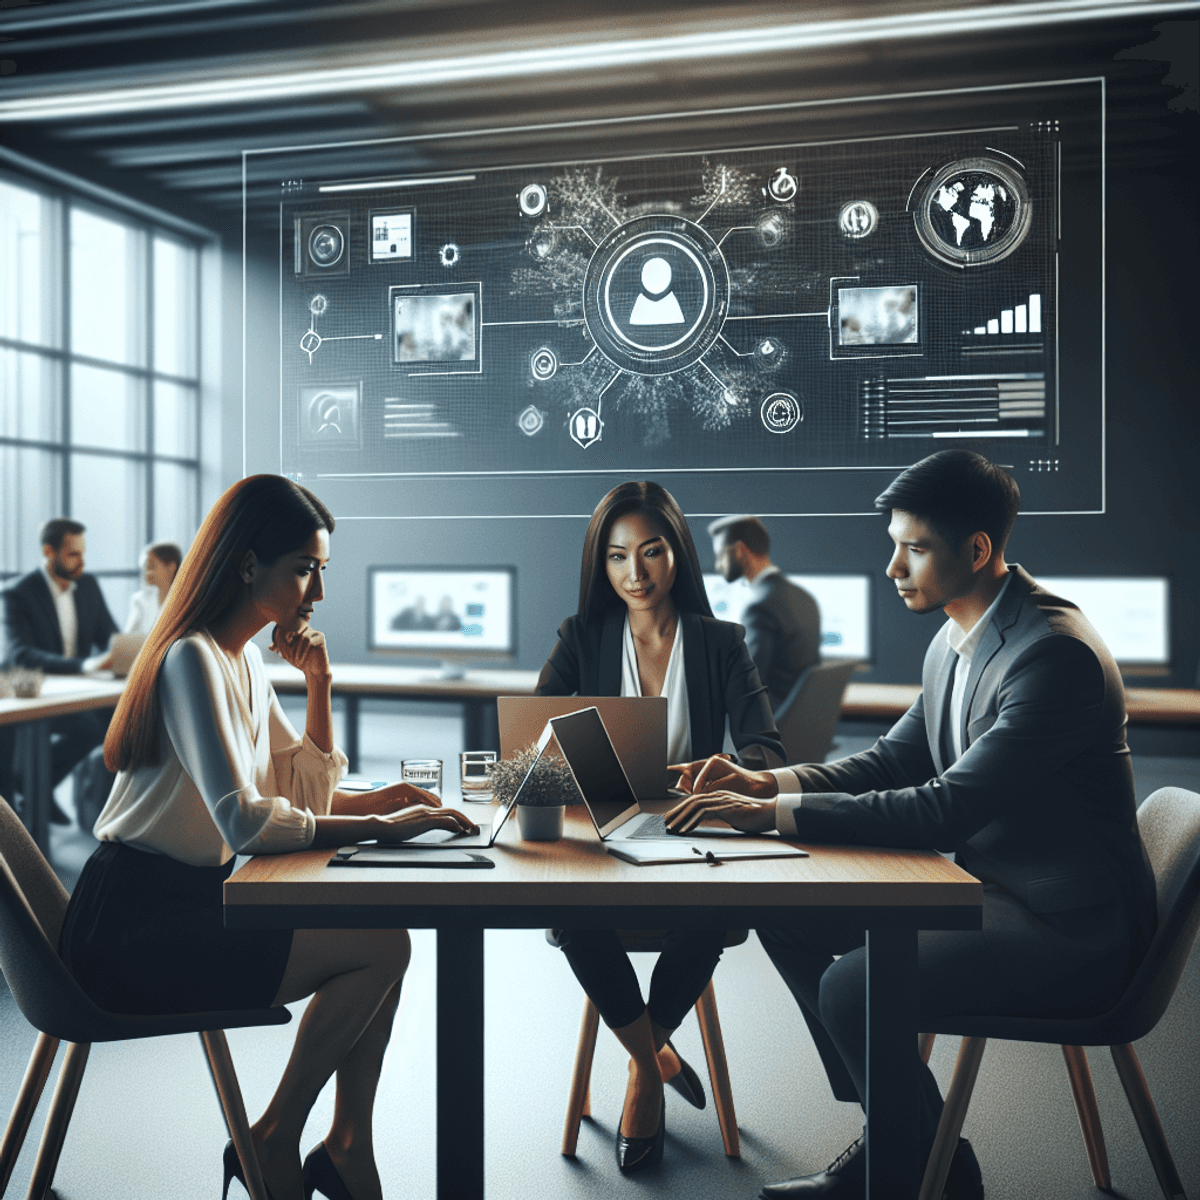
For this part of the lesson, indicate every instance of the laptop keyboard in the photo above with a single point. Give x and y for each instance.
(652, 827)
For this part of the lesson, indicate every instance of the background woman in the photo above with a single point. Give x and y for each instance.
(645, 628)
(210, 767)
(160, 562)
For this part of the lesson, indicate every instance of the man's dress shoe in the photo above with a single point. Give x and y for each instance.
(846, 1177)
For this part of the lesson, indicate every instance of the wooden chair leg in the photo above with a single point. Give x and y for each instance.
(61, 1107)
(32, 1086)
(966, 1071)
(1084, 1093)
(224, 1077)
(579, 1101)
(718, 1070)
(925, 1045)
(1146, 1116)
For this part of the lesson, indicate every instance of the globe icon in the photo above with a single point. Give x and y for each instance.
(974, 211)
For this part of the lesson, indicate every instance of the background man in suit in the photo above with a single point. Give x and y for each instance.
(782, 621)
(1014, 758)
(54, 618)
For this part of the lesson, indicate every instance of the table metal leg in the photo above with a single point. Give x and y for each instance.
(892, 1016)
(33, 755)
(460, 1064)
(350, 700)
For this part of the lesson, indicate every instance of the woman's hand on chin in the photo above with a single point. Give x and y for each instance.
(418, 818)
(304, 649)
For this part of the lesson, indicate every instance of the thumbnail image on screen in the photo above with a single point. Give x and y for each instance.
(436, 327)
(877, 316)
(1129, 614)
(442, 610)
(843, 600)
(391, 235)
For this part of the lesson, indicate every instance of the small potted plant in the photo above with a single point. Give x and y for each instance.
(548, 791)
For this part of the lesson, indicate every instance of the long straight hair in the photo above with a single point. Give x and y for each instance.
(651, 500)
(265, 513)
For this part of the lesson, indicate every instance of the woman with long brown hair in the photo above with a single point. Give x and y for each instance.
(210, 767)
(645, 628)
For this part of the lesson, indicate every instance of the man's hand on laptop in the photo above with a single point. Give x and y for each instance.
(750, 816)
(721, 774)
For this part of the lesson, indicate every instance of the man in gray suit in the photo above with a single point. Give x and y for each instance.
(1014, 758)
(782, 621)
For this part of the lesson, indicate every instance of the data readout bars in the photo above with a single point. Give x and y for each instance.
(1021, 318)
(955, 406)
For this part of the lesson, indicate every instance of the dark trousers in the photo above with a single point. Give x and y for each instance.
(602, 966)
(72, 738)
(1019, 964)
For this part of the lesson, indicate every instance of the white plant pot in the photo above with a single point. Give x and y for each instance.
(539, 824)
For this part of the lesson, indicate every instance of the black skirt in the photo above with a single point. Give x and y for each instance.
(145, 933)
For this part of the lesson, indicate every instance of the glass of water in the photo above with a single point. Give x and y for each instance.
(473, 775)
(423, 773)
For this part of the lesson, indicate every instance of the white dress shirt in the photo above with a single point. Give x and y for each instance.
(679, 716)
(143, 610)
(64, 606)
(235, 777)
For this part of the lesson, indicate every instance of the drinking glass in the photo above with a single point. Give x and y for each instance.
(423, 773)
(473, 775)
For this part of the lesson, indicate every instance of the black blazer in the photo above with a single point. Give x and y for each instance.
(721, 681)
(31, 624)
(783, 633)
(1040, 806)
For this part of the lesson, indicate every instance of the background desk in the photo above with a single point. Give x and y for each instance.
(61, 695)
(574, 883)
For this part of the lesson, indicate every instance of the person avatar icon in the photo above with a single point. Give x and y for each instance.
(656, 279)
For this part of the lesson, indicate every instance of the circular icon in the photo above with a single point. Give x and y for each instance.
(858, 219)
(973, 212)
(542, 244)
(781, 412)
(543, 363)
(449, 254)
(531, 420)
(769, 353)
(326, 245)
(772, 228)
(310, 343)
(532, 200)
(655, 294)
(585, 427)
(783, 185)
(317, 305)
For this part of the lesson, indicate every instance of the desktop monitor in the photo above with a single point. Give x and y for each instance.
(453, 614)
(1129, 613)
(844, 602)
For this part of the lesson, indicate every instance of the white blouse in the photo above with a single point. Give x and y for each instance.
(235, 777)
(143, 611)
(679, 715)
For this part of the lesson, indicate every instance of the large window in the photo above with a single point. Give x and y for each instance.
(99, 383)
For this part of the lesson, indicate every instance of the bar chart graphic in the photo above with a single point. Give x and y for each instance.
(1021, 318)
(931, 407)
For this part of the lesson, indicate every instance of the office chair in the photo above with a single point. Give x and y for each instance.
(1169, 822)
(32, 906)
(808, 714)
(579, 1100)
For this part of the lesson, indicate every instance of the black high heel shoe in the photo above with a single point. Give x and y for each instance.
(634, 1154)
(322, 1176)
(233, 1170)
(687, 1082)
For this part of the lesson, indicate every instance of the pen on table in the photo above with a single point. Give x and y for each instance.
(708, 856)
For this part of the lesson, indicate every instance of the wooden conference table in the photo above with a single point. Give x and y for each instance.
(574, 883)
(61, 696)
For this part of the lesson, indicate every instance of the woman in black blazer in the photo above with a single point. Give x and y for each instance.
(645, 628)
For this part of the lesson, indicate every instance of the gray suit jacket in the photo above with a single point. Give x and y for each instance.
(783, 633)
(1040, 806)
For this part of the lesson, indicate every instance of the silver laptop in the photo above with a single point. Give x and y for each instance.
(604, 786)
(637, 726)
(124, 648)
(442, 839)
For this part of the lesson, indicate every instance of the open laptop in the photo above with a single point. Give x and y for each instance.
(446, 839)
(124, 648)
(637, 726)
(604, 786)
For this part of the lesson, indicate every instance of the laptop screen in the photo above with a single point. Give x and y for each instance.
(586, 746)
